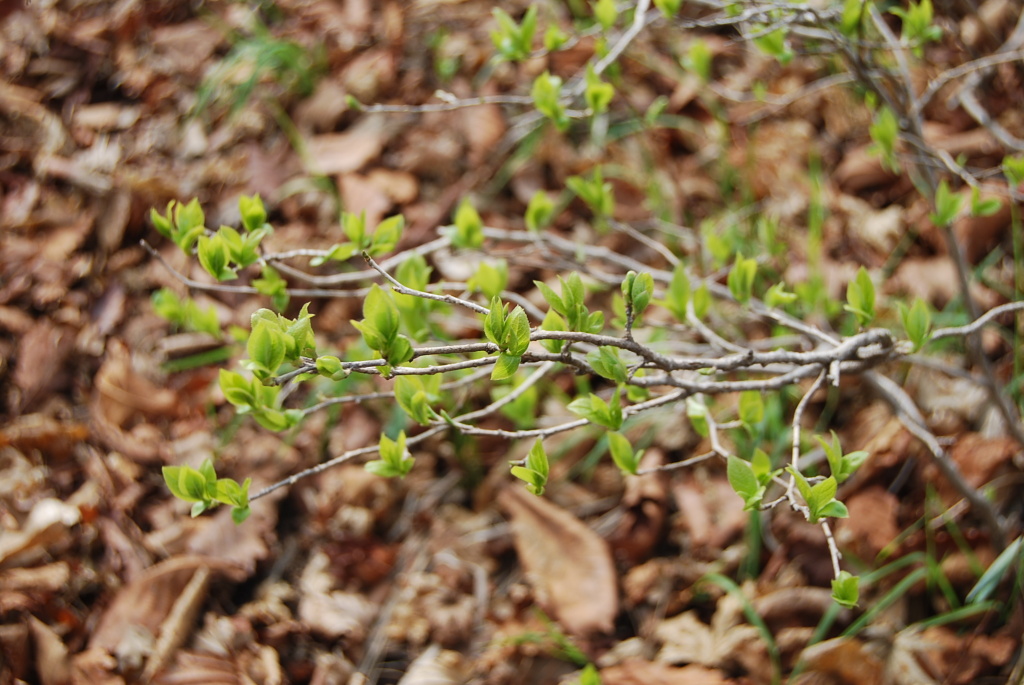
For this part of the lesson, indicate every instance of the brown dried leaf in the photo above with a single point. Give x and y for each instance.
(848, 660)
(637, 672)
(52, 663)
(726, 642)
(569, 565)
(339, 153)
(46, 529)
(435, 667)
(873, 522)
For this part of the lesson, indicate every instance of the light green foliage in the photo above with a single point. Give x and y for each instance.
(852, 18)
(547, 98)
(539, 211)
(202, 487)
(272, 285)
(778, 296)
(918, 25)
(751, 408)
(215, 256)
(741, 279)
(415, 311)
(510, 331)
(379, 327)
(1013, 167)
(469, 227)
(885, 132)
(637, 290)
(669, 8)
(607, 363)
(594, 409)
(571, 305)
(605, 13)
(523, 409)
(842, 465)
(820, 497)
(846, 590)
(554, 38)
(254, 214)
(590, 675)
(416, 394)
(698, 59)
(984, 207)
(535, 472)
(701, 301)
(395, 461)
(744, 482)
(514, 42)
(775, 44)
(917, 322)
(595, 192)
(490, 278)
(697, 412)
(553, 322)
(185, 312)
(182, 224)
(947, 205)
(677, 295)
(622, 453)
(381, 240)
(860, 297)
(331, 367)
(598, 94)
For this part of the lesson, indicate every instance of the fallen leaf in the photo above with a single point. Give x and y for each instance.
(727, 642)
(569, 565)
(638, 672)
(340, 153)
(435, 667)
(46, 529)
(872, 524)
(52, 663)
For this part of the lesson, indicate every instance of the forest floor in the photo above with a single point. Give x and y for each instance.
(455, 574)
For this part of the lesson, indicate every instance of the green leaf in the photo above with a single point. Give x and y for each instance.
(547, 94)
(494, 322)
(885, 132)
(229, 491)
(395, 461)
(214, 257)
(491, 278)
(622, 453)
(860, 296)
(240, 514)
(947, 205)
(697, 412)
(637, 289)
(590, 675)
(986, 207)
(917, 322)
(598, 94)
(761, 464)
(608, 364)
(398, 351)
(354, 228)
(412, 396)
(595, 192)
(699, 59)
(189, 217)
(379, 311)
(605, 13)
(266, 347)
(833, 509)
(539, 211)
(553, 322)
(254, 214)
(514, 41)
(701, 301)
(775, 44)
(854, 12)
(535, 472)
(505, 366)
(338, 253)
(554, 38)
(744, 482)
(677, 296)
(236, 388)
(741, 278)
(387, 235)
(517, 332)
(331, 367)
(777, 296)
(272, 285)
(1013, 167)
(596, 410)
(469, 227)
(846, 590)
(669, 8)
(162, 223)
(556, 302)
(751, 409)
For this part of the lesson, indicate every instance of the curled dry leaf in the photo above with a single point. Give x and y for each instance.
(47, 528)
(638, 672)
(873, 522)
(435, 667)
(569, 565)
(726, 643)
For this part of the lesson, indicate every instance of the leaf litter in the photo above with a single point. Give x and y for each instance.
(104, 579)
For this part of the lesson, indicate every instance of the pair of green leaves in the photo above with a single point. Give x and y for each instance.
(637, 291)
(535, 470)
(547, 98)
(571, 306)
(185, 312)
(251, 396)
(469, 227)
(380, 328)
(514, 42)
(380, 241)
(750, 479)
(741, 278)
(860, 297)
(510, 331)
(182, 223)
(202, 487)
(275, 339)
(490, 278)
(417, 394)
(395, 461)
(595, 192)
(594, 409)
